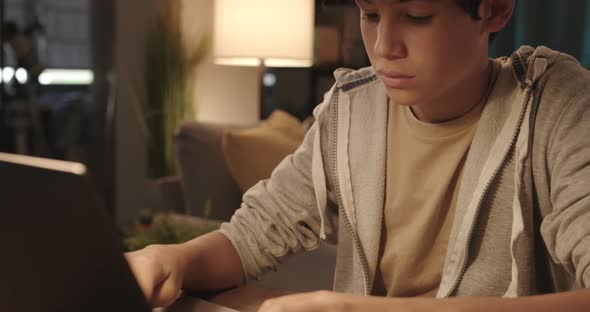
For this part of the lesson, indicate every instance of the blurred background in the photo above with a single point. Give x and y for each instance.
(91, 80)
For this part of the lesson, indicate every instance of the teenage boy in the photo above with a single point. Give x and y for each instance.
(440, 173)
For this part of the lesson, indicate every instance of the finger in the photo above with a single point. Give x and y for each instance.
(266, 306)
(146, 273)
(281, 304)
(305, 302)
(165, 293)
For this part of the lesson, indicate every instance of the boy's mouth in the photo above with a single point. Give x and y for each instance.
(394, 79)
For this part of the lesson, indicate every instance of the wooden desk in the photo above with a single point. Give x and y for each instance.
(246, 299)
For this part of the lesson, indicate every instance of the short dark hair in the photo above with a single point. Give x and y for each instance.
(471, 7)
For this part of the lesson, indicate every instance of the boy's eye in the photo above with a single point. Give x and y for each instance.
(419, 19)
(370, 17)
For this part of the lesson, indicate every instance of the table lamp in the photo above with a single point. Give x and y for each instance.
(263, 33)
(272, 33)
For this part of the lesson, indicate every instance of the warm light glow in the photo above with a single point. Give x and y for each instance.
(51, 164)
(237, 61)
(276, 62)
(280, 32)
(66, 77)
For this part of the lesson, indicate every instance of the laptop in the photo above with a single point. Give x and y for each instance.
(59, 250)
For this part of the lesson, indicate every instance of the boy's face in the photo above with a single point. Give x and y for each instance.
(424, 51)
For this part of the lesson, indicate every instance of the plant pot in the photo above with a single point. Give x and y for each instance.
(165, 195)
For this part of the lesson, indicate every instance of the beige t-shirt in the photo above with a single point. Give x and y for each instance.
(424, 167)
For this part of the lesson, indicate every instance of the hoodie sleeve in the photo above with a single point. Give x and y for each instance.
(566, 230)
(280, 216)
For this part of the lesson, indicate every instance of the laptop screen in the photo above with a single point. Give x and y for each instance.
(60, 252)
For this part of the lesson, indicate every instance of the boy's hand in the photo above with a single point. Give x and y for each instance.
(578, 300)
(206, 263)
(158, 272)
(312, 302)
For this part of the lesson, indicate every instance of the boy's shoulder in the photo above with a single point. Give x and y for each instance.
(345, 75)
(563, 86)
(563, 73)
(348, 79)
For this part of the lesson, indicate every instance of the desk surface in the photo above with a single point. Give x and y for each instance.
(246, 299)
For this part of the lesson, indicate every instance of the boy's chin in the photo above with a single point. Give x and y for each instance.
(403, 97)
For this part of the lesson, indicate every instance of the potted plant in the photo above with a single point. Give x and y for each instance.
(167, 229)
(168, 82)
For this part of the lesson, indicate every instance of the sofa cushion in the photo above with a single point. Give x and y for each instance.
(251, 154)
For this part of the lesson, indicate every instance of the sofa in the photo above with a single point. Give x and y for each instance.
(207, 182)
(211, 189)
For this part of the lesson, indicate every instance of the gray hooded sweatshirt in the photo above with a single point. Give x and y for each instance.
(522, 220)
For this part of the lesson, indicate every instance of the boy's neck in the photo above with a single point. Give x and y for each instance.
(458, 101)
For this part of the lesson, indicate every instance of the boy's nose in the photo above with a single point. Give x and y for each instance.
(389, 43)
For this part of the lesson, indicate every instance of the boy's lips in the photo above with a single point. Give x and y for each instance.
(395, 79)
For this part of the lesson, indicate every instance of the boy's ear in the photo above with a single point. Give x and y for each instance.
(496, 13)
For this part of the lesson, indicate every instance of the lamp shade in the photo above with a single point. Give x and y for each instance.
(277, 32)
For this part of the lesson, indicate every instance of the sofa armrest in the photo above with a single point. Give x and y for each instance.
(205, 177)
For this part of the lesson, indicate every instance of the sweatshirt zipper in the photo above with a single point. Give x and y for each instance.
(355, 239)
(485, 190)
